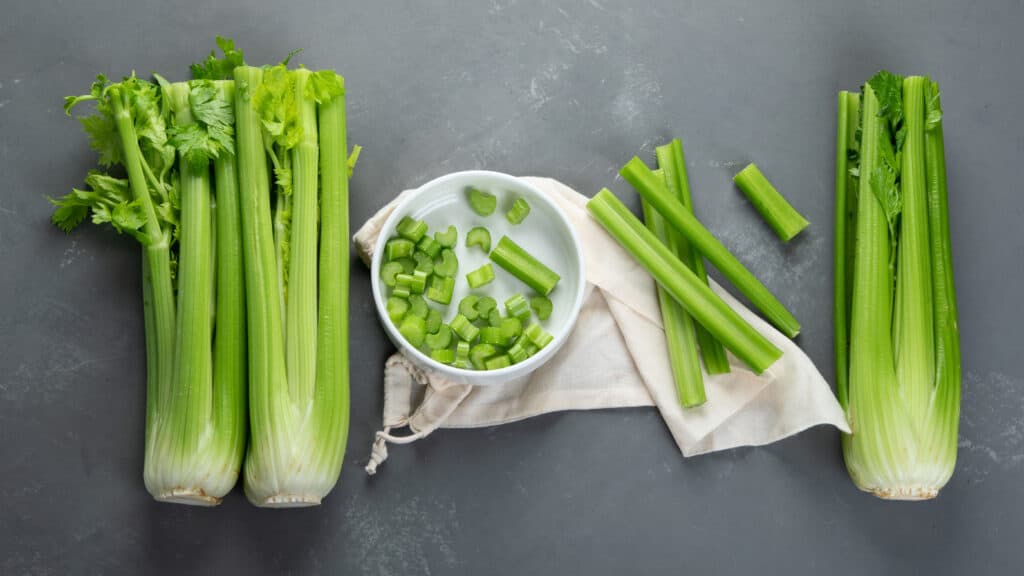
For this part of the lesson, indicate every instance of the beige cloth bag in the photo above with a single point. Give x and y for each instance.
(616, 357)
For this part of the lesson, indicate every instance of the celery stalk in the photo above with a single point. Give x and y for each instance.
(672, 162)
(653, 190)
(845, 218)
(773, 207)
(696, 297)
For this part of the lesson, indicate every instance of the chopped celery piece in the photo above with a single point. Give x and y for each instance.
(430, 246)
(401, 292)
(494, 318)
(397, 307)
(483, 203)
(418, 306)
(538, 335)
(462, 354)
(541, 306)
(388, 270)
(479, 354)
(518, 212)
(510, 327)
(773, 207)
(441, 339)
(423, 262)
(704, 305)
(410, 229)
(448, 265)
(441, 289)
(433, 321)
(481, 276)
(518, 262)
(518, 306)
(479, 236)
(408, 264)
(415, 283)
(517, 353)
(485, 304)
(491, 335)
(398, 248)
(467, 307)
(448, 238)
(654, 191)
(413, 329)
(530, 347)
(501, 361)
(443, 355)
(464, 328)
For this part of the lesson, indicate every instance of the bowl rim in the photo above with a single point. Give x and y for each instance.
(463, 374)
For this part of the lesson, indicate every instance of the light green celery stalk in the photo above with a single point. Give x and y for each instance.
(194, 431)
(298, 320)
(902, 409)
(672, 162)
(847, 148)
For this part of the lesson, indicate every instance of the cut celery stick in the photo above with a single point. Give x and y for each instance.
(441, 339)
(443, 355)
(448, 238)
(398, 248)
(541, 306)
(410, 229)
(448, 265)
(653, 190)
(518, 262)
(467, 307)
(497, 362)
(773, 207)
(397, 308)
(518, 306)
(441, 289)
(413, 329)
(492, 335)
(464, 328)
(388, 270)
(704, 305)
(433, 321)
(430, 246)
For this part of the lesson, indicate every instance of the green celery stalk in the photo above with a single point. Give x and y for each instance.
(696, 297)
(672, 162)
(524, 266)
(680, 336)
(653, 190)
(845, 219)
(773, 207)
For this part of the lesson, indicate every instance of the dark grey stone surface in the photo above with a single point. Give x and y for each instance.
(569, 90)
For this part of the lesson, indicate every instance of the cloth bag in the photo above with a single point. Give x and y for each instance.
(616, 357)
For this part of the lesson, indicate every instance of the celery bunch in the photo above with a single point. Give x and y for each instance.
(167, 137)
(897, 341)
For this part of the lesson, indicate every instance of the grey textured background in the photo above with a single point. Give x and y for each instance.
(568, 90)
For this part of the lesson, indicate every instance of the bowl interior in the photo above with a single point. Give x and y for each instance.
(545, 233)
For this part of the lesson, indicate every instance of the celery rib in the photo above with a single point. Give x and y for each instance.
(697, 298)
(769, 203)
(653, 190)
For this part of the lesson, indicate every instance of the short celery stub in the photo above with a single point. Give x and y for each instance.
(524, 266)
(773, 207)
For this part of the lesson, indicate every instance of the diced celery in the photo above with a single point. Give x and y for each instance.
(518, 212)
(443, 355)
(411, 229)
(423, 262)
(464, 328)
(441, 289)
(448, 265)
(448, 238)
(441, 339)
(479, 236)
(541, 306)
(398, 248)
(517, 353)
(407, 263)
(388, 270)
(497, 362)
(481, 276)
(538, 335)
(413, 330)
(397, 307)
(418, 306)
(518, 306)
(511, 327)
(483, 203)
(479, 354)
(430, 246)
(494, 318)
(485, 304)
(467, 307)
(433, 321)
(491, 335)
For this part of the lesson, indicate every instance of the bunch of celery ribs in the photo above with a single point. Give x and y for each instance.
(245, 303)
(896, 337)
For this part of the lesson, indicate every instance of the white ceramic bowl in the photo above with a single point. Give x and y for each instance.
(546, 233)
